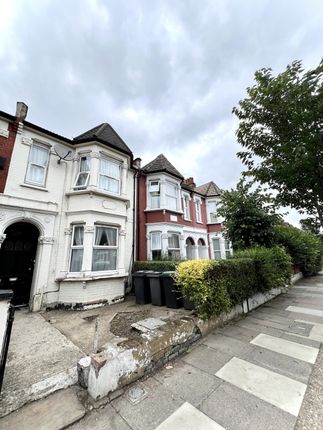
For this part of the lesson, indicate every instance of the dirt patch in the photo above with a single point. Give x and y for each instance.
(121, 323)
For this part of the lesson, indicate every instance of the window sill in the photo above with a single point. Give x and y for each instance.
(34, 187)
(97, 192)
(90, 276)
(187, 219)
(163, 209)
(199, 222)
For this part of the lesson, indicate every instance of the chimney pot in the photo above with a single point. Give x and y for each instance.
(21, 111)
(137, 163)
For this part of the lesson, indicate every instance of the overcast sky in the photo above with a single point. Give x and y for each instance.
(164, 74)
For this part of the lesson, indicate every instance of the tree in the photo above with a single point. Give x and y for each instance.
(249, 217)
(281, 128)
(310, 225)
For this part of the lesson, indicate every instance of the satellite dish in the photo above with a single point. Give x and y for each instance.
(63, 153)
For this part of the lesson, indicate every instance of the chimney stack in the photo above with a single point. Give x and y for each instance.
(189, 182)
(21, 111)
(137, 163)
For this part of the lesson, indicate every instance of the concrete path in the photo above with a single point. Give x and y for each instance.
(250, 375)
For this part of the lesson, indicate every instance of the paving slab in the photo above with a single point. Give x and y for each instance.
(302, 340)
(101, 419)
(207, 359)
(40, 361)
(187, 382)
(236, 409)
(55, 412)
(226, 344)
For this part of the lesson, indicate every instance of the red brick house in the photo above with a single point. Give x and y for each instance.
(175, 217)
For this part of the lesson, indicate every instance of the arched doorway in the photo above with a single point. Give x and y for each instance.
(17, 258)
(189, 248)
(201, 248)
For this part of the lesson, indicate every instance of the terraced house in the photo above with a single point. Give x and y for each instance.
(75, 213)
(176, 218)
(66, 214)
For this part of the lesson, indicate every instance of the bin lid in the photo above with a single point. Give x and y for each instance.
(168, 273)
(154, 274)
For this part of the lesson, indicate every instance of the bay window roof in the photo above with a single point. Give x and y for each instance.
(161, 164)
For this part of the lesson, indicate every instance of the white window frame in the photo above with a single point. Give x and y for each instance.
(87, 172)
(227, 248)
(186, 214)
(113, 161)
(167, 195)
(154, 191)
(94, 246)
(209, 204)
(198, 209)
(217, 251)
(171, 233)
(30, 163)
(75, 247)
(159, 233)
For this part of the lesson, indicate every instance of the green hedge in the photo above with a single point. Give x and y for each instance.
(273, 266)
(214, 286)
(304, 248)
(157, 265)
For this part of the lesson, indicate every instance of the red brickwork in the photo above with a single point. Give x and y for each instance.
(6, 149)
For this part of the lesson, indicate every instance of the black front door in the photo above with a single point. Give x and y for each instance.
(17, 258)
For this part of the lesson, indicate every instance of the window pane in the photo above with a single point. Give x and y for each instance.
(36, 174)
(104, 259)
(227, 254)
(217, 255)
(82, 180)
(227, 244)
(171, 189)
(85, 164)
(173, 241)
(109, 184)
(155, 240)
(171, 202)
(105, 236)
(110, 168)
(173, 253)
(216, 244)
(78, 236)
(76, 260)
(156, 254)
(154, 201)
(39, 155)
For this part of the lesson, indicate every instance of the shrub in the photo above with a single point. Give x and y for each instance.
(239, 277)
(304, 248)
(208, 298)
(156, 265)
(273, 266)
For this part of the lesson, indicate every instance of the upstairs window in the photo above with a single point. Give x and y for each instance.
(83, 176)
(198, 211)
(186, 207)
(37, 165)
(154, 194)
(171, 196)
(105, 249)
(216, 249)
(109, 176)
(212, 211)
(77, 248)
(155, 245)
(174, 249)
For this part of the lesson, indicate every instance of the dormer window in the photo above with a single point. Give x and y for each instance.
(154, 194)
(109, 175)
(83, 175)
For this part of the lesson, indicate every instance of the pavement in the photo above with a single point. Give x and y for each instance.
(263, 372)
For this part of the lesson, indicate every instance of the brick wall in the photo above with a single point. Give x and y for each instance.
(6, 148)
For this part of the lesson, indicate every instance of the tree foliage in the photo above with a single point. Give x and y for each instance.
(281, 130)
(249, 217)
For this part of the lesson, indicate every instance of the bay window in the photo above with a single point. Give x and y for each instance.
(174, 250)
(77, 248)
(171, 196)
(155, 245)
(109, 175)
(83, 175)
(37, 165)
(227, 248)
(105, 249)
(154, 194)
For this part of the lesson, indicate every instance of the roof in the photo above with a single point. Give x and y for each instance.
(106, 135)
(210, 189)
(161, 164)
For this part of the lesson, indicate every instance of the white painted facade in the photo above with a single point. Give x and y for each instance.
(56, 207)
